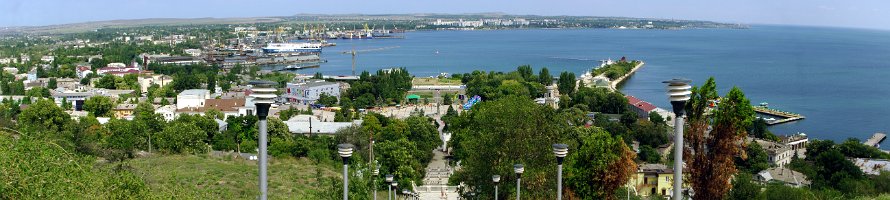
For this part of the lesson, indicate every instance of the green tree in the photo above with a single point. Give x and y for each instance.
(714, 139)
(544, 77)
(38, 92)
(43, 118)
(327, 100)
(649, 154)
(181, 137)
(754, 160)
(211, 81)
(447, 99)
(566, 83)
(99, 106)
(656, 118)
(52, 84)
(504, 132)
(743, 188)
(601, 164)
(526, 72)
(107, 82)
(629, 118)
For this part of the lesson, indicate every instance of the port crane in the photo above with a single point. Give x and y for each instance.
(355, 52)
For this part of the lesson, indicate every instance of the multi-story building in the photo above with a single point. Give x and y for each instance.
(308, 92)
(193, 98)
(779, 153)
(797, 142)
(654, 179)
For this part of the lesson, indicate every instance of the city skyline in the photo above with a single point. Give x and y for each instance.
(859, 14)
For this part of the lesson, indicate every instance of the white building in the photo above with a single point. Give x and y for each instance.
(872, 166)
(779, 154)
(193, 52)
(147, 81)
(302, 124)
(48, 59)
(168, 112)
(193, 98)
(308, 92)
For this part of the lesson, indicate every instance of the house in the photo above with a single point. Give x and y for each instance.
(642, 108)
(84, 70)
(779, 153)
(782, 175)
(119, 69)
(308, 92)
(872, 166)
(48, 59)
(168, 112)
(146, 81)
(654, 179)
(192, 98)
(123, 110)
(76, 99)
(797, 142)
(302, 124)
(229, 107)
(11, 70)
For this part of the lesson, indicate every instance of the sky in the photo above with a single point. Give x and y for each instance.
(873, 14)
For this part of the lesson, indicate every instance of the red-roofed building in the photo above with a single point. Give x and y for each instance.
(118, 69)
(642, 108)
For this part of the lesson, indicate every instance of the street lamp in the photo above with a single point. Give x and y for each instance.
(518, 168)
(560, 150)
(496, 179)
(396, 190)
(345, 151)
(263, 95)
(388, 180)
(376, 173)
(678, 93)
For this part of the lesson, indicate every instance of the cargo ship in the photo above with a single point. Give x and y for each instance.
(304, 47)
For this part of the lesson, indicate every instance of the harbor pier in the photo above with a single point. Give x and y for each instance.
(875, 139)
(788, 116)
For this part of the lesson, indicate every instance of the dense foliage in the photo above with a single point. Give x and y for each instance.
(384, 88)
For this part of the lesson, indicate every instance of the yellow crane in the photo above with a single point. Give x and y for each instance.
(355, 52)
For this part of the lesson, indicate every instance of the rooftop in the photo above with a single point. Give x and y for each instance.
(784, 175)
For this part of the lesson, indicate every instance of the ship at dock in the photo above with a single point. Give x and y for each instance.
(289, 47)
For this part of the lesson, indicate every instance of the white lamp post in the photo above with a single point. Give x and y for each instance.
(264, 96)
(345, 151)
(518, 169)
(560, 150)
(389, 183)
(679, 93)
(496, 179)
(376, 173)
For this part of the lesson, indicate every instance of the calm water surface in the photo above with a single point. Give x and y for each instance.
(838, 78)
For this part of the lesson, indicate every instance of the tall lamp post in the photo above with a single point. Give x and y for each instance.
(396, 190)
(560, 150)
(389, 180)
(345, 151)
(518, 169)
(376, 173)
(496, 179)
(264, 95)
(678, 93)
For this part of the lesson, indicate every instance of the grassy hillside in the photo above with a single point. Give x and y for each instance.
(40, 169)
(189, 176)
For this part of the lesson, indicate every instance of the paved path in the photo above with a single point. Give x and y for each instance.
(435, 183)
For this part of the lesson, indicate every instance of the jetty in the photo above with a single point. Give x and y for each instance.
(875, 139)
(787, 116)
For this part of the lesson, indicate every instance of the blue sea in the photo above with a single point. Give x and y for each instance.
(838, 78)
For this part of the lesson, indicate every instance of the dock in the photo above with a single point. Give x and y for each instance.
(788, 116)
(875, 139)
